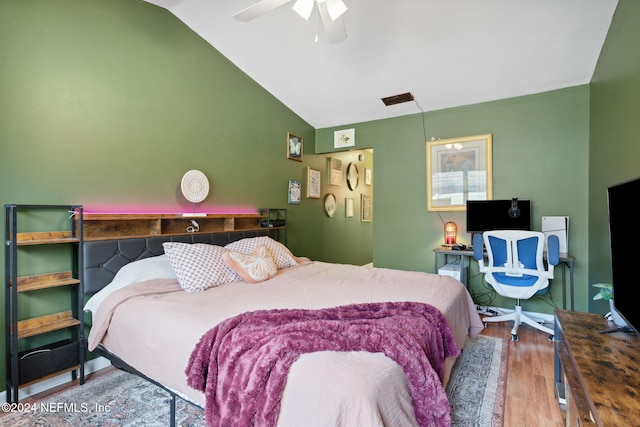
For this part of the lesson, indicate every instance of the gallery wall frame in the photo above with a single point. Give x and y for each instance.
(366, 204)
(294, 192)
(330, 204)
(295, 147)
(344, 138)
(313, 183)
(334, 171)
(348, 203)
(459, 169)
(353, 176)
(368, 176)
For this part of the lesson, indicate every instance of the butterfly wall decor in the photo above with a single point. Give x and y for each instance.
(294, 147)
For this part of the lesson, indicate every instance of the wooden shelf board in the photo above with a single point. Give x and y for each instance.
(48, 323)
(44, 281)
(51, 375)
(128, 217)
(111, 226)
(45, 237)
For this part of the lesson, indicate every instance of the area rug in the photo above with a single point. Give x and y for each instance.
(477, 385)
(118, 399)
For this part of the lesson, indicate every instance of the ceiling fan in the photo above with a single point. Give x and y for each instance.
(330, 12)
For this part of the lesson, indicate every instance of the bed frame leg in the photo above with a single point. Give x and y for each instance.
(172, 411)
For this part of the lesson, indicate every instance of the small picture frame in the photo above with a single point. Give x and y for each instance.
(334, 171)
(348, 203)
(313, 183)
(330, 205)
(366, 205)
(368, 176)
(295, 147)
(294, 192)
(344, 138)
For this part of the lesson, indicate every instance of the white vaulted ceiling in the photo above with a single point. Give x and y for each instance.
(447, 53)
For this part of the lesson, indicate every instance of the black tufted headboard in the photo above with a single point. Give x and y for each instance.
(103, 258)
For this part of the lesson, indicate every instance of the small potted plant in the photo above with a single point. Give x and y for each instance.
(605, 292)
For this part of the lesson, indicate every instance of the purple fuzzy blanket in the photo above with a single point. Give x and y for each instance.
(242, 363)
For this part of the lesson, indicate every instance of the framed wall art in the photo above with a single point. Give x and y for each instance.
(348, 211)
(367, 208)
(330, 205)
(368, 176)
(294, 192)
(313, 183)
(295, 147)
(334, 171)
(344, 138)
(458, 169)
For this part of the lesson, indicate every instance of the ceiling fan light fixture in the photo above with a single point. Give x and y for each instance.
(304, 8)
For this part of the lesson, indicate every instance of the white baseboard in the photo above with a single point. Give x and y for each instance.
(90, 366)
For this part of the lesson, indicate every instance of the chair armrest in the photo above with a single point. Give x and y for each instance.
(477, 246)
(553, 250)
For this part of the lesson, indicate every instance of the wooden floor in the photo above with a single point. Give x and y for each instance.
(530, 399)
(530, 396)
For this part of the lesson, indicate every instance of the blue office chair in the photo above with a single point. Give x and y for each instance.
(515, 269)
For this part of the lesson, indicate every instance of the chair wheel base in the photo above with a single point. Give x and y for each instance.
(514, 337)
(550, 337)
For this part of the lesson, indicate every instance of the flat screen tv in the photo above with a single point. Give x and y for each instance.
(623, 233)
(485, 215)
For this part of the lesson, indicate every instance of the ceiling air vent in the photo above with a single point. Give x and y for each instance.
(397, 99)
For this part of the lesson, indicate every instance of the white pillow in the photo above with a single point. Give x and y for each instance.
(280, 253)
(199, 266)
(156, 267)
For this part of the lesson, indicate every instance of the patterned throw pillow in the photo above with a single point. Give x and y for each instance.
(198, 266)
(281, 255)
(255, 267)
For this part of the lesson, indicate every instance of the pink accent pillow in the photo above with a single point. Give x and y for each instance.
(255, 267)
(280, 253)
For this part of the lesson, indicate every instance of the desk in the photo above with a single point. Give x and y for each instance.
(596, 373)
(566, 261)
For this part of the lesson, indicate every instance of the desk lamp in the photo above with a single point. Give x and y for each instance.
(450, 232)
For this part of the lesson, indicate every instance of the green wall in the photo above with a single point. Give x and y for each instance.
(614, 151)
(108, 103)
(540, 152)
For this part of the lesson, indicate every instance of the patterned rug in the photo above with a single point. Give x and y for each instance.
(117, 399)
(478, 383)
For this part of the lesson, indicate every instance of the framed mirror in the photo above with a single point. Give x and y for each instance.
(352, 176)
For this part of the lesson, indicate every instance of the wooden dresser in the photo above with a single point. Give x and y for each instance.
(600, 373)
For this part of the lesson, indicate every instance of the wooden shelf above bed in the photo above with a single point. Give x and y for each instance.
(110, 226)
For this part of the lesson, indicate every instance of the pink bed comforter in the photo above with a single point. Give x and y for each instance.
(242, 363)
(154, 327)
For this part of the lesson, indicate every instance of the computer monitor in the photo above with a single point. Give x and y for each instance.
(485, 215)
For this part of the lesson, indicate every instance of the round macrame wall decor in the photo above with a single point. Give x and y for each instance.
(195, 186)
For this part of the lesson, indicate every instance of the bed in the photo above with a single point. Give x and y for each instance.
(149, 321)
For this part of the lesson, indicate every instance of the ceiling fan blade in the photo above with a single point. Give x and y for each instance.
(335, 30)
(304, 8)
(335, 8)
(258, 9)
